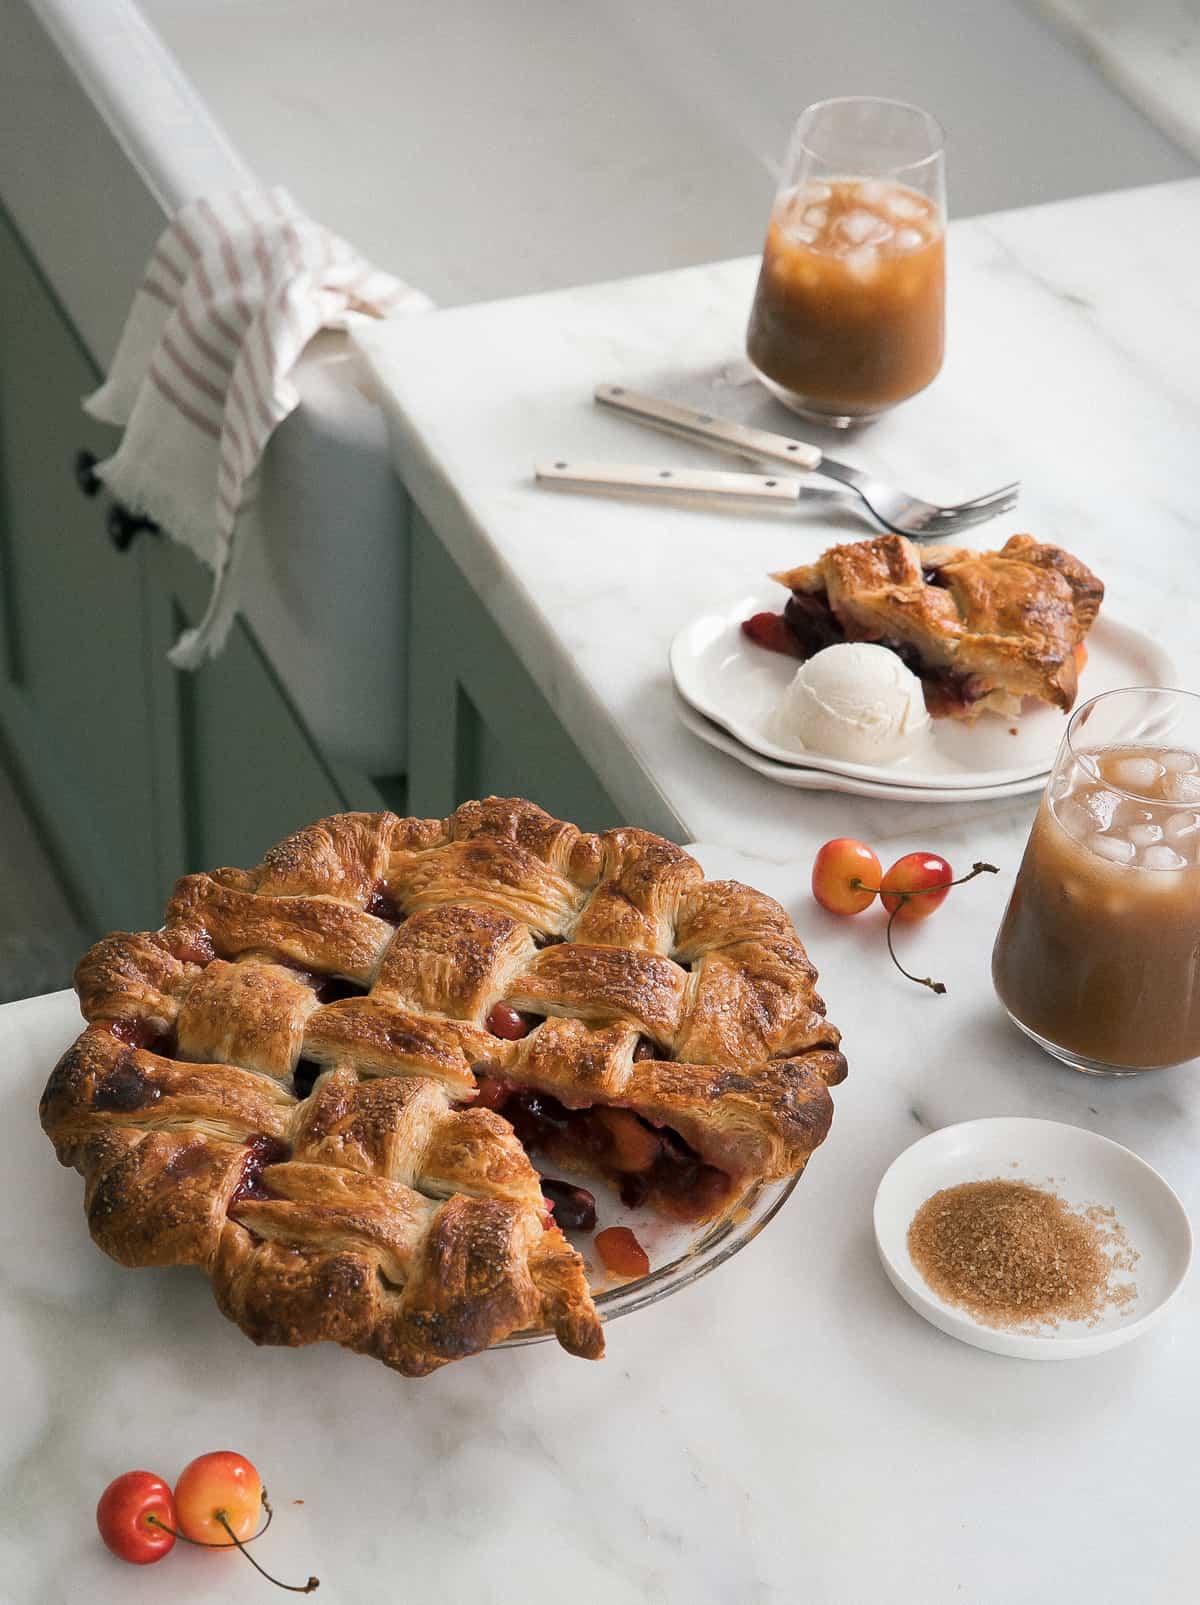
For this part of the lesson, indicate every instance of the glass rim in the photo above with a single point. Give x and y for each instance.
(1083, 712)
(938, 133)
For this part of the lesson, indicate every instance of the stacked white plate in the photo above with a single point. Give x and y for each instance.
(729, 687)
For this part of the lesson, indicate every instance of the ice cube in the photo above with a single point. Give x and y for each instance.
(1140, 775)
(863, 262)
(1114, 849)
(1182, 830)
(801, 233)
(903, 204)
(1073, 818)
(815, 191)
(816, 216)
(1175, 762)
(861, 227)
(1182, 787)
(1101, 806)
(1143, 835)
(909, 239)
(874, 191)
(1087, 765)
(1161, 856)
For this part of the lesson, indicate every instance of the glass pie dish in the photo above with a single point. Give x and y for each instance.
(681, 1252)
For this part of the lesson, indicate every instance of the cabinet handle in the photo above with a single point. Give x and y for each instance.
(85, 472)
(123, 526)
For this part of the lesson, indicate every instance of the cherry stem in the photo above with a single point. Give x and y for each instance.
(858, 885)
(236, 1542)
(922, 980)
(939, 987)
(292, 1588)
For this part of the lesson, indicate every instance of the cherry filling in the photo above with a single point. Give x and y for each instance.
(505, 1021)
(141, 1034)
(261, 1151)
(644, 1162)
(384, 906)
(574, 1207)
(808, 625)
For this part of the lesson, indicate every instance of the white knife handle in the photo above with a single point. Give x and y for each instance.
(703, 426)
(615, 478)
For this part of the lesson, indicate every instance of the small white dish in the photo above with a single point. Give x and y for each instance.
(1083, 1169)
(738, 684)
(803, 779)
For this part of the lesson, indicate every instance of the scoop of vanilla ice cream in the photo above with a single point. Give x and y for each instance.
(853, 701)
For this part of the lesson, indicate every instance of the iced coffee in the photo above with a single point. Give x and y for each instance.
(849, 313)
(1098, 956)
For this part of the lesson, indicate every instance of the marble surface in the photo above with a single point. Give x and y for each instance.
(784, 1430)
(498, 150)
(1149, 51)
(1070, 367)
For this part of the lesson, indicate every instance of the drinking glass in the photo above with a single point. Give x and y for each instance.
(1098, 955)
(849, 314)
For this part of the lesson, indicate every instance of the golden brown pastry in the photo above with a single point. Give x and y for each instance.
(297, 1083)
(981, 629)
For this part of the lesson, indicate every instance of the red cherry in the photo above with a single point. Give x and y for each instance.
(837, 866)
(493, 1093)
(621, 1252)
(215, 1485)
(771, 630)
(123, 1517)
(914, 873)
(505, 1021)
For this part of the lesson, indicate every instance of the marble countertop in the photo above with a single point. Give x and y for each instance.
(784, 1430)
(1069, 367)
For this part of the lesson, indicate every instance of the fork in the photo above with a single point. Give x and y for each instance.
(895, 509)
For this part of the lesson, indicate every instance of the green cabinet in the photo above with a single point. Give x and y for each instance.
(73, 659)
(236, 767)
(135, 771)
(477, 722)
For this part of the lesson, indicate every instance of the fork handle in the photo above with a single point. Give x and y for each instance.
(711, 431)
(617, 478)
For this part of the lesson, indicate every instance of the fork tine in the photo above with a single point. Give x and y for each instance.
(1007, 494)
(959, 521)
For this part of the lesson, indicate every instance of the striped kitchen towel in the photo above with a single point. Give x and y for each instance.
(235, 288)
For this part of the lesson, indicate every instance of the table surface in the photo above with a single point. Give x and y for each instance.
(784, 1430)
(1072, 365)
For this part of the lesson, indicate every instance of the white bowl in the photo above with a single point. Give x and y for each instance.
(1082, 1169)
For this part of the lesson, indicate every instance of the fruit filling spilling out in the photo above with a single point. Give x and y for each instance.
(645, 1163)
(808, 625)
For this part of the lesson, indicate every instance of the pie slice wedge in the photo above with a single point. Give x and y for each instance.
(981, 630)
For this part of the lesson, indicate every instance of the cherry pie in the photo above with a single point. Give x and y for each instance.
(981, 630)
(319, 1079)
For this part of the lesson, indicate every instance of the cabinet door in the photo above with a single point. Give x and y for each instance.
(237, 767)
(477, 724)
(74, 703)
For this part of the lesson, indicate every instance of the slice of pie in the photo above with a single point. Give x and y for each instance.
(301, 1082)
(981, 630)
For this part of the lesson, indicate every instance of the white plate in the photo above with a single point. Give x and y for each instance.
(803, 779)
(731, 680)
(1081, 1168)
